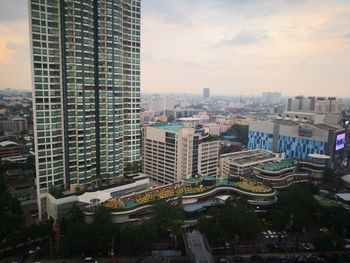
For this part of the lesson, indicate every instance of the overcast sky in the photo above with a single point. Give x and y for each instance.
(232, 47)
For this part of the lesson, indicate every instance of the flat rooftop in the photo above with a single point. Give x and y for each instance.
(246, 158)
(168, 126)
(278, 166)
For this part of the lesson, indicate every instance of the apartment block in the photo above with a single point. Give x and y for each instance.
(86, 90)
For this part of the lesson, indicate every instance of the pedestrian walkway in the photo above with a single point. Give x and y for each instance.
(197, 248)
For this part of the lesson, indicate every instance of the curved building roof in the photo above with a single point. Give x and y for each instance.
(319, 156)
(7, 143)
(346, 178)
(94, 197)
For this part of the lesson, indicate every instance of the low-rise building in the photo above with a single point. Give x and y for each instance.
(283, 173)
(11, 150)
(21, 184)
(13, 125)
(242, 163)
(58, 208)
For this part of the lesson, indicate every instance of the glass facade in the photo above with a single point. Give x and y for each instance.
(293, 147)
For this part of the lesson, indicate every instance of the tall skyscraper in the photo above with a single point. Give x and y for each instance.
(86, 83)
(206, 93)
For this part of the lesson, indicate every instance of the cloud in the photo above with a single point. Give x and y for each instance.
(185, 45)
(244, 38)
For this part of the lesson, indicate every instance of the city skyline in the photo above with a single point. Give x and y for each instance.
(231, 47)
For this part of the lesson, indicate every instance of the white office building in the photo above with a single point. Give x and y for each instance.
(172, 152)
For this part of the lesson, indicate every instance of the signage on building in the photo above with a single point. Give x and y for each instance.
(305, 132)
(340, 141)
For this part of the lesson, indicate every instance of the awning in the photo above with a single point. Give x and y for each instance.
(94, 197)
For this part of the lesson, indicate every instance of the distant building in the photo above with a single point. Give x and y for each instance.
(13, 125)
(147, 117)
(27, 95)
(313, 117)
(195, 120)
(172, 152)
(21, 184)
(272, 97)
(11, 149)
(316, 104)
(298, 139)
(159, 104)
(181, 112)
(206, 93)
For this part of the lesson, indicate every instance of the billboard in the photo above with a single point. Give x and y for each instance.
(340, 141)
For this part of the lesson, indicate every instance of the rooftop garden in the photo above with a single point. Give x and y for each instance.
(182, 189)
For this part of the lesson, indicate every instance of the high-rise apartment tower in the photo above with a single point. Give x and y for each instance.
(206, 93)
(86, 83)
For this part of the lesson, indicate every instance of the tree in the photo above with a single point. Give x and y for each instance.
(133, 167)
(235, 218)
(240, 132)
(137, 239)
(10, 212)
(278, 218)
(327, 242)
(213, 231)
(332, 180)
(56, 191)
(295, 207)
(336, 218)
(167, 217)
(101, 230)
(12, 229)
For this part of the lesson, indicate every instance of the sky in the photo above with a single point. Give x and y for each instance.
(233, 47)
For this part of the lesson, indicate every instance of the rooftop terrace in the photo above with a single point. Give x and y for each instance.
(168, 126)
(183, 189)
(249, 157)
(278, 166)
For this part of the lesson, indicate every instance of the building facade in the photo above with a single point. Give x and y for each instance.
(272, 97)
(172, 152)
(316, 104)
(86, 89)
(242, 163)
(298, 139)
(206, 93)
(13, 125)
(13, 149)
